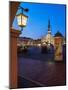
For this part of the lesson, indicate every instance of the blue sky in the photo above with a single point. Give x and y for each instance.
(38, 17)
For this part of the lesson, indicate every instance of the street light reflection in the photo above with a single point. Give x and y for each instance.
(51, 63)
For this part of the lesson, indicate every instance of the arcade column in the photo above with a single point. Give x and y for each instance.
(13, 58)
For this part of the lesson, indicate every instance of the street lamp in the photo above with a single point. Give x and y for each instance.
(21, 18)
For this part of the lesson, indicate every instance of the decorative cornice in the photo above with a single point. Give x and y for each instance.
(14, 33)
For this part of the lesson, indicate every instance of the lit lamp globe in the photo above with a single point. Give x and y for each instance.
(22, 20)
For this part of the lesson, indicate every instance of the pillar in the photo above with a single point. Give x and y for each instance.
(13, 58)
(58, 49)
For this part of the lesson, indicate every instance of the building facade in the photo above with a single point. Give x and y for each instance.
(23, 41)
(48, 39)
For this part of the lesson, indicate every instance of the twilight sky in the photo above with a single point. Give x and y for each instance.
(38, 17)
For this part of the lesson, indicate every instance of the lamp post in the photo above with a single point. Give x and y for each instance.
(21, 18)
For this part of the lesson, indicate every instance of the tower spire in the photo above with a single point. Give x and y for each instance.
(49, 27)
(49, 23)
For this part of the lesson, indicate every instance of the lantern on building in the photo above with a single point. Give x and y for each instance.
(22, 18)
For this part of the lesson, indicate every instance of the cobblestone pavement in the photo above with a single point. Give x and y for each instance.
(42, 69)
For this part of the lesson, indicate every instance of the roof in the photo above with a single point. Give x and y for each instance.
(24, 38)
(58, 34)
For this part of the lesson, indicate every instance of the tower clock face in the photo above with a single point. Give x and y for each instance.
(49, 31)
